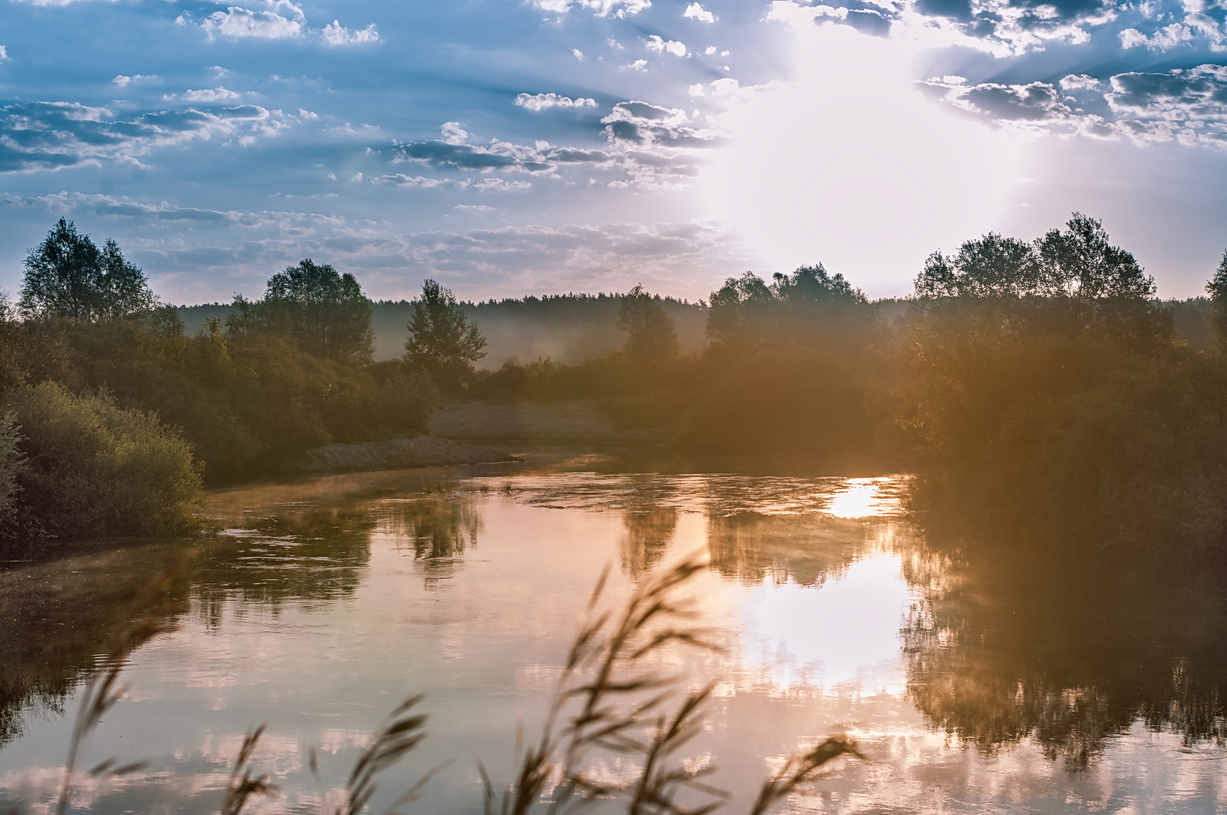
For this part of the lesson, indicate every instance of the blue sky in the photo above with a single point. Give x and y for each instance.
(533, 146)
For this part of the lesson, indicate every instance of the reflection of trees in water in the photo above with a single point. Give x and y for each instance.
(806, 549)
(58, 614)
(305, 556)
(55, 618)
(648, 532)
(1069, 653)
(434, 527)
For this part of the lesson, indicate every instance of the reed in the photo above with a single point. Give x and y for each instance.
(608, 700)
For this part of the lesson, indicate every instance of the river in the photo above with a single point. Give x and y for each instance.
(970, 689)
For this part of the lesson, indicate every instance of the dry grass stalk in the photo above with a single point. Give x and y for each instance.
(103, 691)
(799, 769)
(404, 730)
(603, 683)
(242, 783)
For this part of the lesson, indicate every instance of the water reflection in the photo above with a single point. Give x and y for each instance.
(433, 527)
(329, 600)
(1070, 652)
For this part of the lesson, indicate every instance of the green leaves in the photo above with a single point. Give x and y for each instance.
(69, 276)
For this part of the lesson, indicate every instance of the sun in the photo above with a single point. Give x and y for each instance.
(849, 164)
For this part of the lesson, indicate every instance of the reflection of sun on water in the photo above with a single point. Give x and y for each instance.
(858, 500)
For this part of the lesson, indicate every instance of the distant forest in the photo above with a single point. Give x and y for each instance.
(569, 328)
(1040, 385)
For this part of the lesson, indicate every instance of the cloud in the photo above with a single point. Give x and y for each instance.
(1075, 82)
(648, 157)
(4, 54)
(479, 184)
(124, 81)
(544, 101)
(662, 46)
(1008, 27)
(67, 203)
(697, 12)
(206, 95)
(578, 54)
(601, 8)
(50, 135)
(454, 133)
(1188, 106)
(242, 22)
(336, 34)
(641, 123)
(478, 208)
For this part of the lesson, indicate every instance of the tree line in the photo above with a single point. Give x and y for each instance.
(112, 419)
(1040, 383)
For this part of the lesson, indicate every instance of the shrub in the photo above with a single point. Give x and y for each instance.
(95, 469)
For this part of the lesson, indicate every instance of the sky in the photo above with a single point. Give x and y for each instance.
(514, 147)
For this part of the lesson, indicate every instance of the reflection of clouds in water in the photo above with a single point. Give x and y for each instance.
(830, 635)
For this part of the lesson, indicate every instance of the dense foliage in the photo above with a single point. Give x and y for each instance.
(323, 311)
(441, 340)
(69, 276)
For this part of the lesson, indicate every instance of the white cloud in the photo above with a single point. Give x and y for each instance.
(52, 135)
(578, 54)
(453, 133)
(206, 95)
(473, 208)
(638, 65)
(699, 13)
(660, 45)
(4, 54)
(336, 34)
(602, 8)
(242, 22)
(544, 101)
(124, 81)
(1188, 106)
(1161, 40)
(1075, 82)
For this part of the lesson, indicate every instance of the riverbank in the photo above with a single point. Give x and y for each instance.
(399, 453)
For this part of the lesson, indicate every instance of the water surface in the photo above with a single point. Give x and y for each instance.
(325, 602)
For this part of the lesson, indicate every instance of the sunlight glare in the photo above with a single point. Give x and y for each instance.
(849, 165)
(858, 500)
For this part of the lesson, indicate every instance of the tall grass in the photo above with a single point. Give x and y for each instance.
(608, 700)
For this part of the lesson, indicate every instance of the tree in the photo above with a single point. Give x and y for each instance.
(441, 340)
(1217, 289)
(1078, 263)
(650, 335)
(324, 311)
(69, 276)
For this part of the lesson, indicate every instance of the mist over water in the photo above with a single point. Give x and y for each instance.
(1010, 685)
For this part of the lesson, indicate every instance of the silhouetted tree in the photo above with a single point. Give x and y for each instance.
(650, 336)
(441, 340)
(991, 266)
(1217, 289)
(67, 275)
(734, 317)
(324, 311)
(1078, 263)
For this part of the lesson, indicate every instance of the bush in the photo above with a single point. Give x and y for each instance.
(94, 469)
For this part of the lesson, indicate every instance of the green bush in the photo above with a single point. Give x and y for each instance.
(94, 469)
